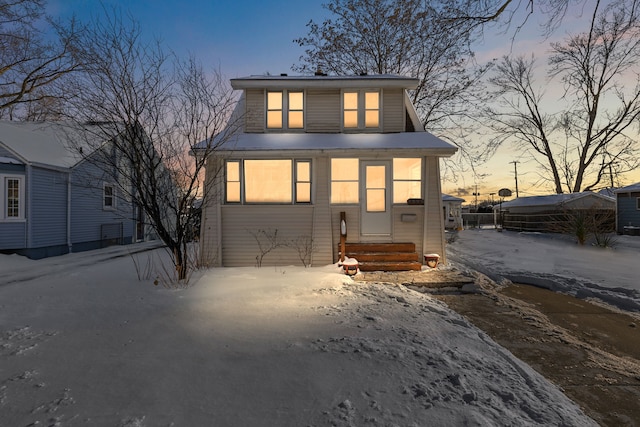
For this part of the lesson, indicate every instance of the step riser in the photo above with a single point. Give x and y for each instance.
(390, 267)
(380, 247)
(384, 257)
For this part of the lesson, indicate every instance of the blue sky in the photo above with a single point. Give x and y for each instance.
(242, 37)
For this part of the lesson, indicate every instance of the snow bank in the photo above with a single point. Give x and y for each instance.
(554, 262)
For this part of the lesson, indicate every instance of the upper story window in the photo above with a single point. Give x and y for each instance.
(361, 109)
(285, 110)
(12, 193)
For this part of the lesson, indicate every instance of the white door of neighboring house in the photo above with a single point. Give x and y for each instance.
(375, 206)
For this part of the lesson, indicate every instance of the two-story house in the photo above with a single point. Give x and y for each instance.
(313, 150)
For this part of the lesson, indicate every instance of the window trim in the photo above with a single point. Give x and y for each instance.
(4, 202)
(356, 181)
(114, 204)
(285, 111)
(419, 180)
(294, 182)
(638, 203)
(361, 110)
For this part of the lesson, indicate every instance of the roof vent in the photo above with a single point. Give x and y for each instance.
(283, 74)
(319, 72)
(364, 74)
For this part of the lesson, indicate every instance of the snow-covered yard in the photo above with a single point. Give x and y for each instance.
(86, 343)
(556, 262)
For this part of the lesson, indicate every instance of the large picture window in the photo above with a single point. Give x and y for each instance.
(344, 181)
(282, 181)
(407, 179)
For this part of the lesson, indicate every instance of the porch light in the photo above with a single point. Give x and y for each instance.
(432, 260)
(350, 266)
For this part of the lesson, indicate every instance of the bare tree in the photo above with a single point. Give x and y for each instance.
(410, 38)
(593, 135)
(29, 62)
(153, 109)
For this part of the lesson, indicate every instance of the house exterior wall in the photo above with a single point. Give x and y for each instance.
(13, 234)
(227, 239)
(48, 213)
(323, 110)
(92, 226)
(627, 210)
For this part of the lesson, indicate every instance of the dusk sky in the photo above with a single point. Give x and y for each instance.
(245, 37)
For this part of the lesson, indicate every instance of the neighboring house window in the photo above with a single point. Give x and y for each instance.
(109, 196)
(268, 181)
(344, 181)
(12, 198)
(638, 203)
(285, 110)
(407, 179)
(361, 110)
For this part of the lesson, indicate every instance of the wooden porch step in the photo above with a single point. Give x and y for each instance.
(380, 247)
(390, 266)
(385, 256)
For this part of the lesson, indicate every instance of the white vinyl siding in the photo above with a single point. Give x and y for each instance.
(323, 110)
(255, 104)
(393, 114)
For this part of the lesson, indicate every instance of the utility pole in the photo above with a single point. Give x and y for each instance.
(515, 168)
(476, 194)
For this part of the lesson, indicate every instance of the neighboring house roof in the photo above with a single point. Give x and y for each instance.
(45, 143)
(553, 200)
(450, 198)
(335, 141)
(629, 188)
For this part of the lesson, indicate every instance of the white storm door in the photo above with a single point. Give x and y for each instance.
(375, 206)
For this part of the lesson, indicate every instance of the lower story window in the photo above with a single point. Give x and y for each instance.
(268, 181)
(407, 179)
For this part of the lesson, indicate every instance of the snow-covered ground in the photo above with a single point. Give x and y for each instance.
(556, 262)
(83, 342)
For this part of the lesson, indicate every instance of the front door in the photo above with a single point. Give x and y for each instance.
(375, 216)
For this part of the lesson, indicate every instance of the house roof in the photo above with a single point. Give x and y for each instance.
(44, 143)
(633, 187)
(552, 200)
(267, 142)
(450, 198)
(321, 81)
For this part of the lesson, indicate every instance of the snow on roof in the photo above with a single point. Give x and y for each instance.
(450, 198)
(633, 187)
(44, 143)
(551, 200)
(10, 161)
(336, 141)
(354, 81)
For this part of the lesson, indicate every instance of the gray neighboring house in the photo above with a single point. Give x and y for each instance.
(52, 200)
(313, 150)
(628, 209)
(539, 213)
